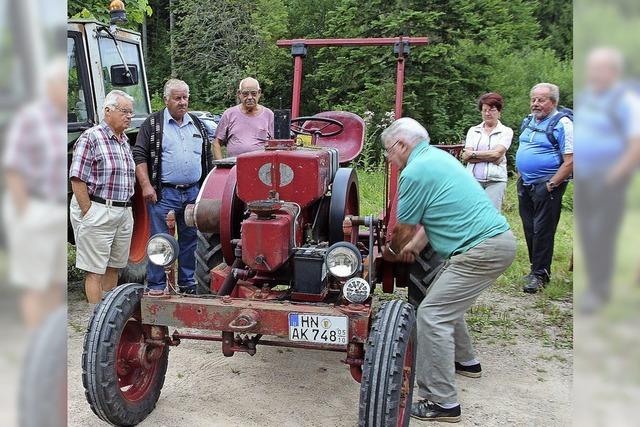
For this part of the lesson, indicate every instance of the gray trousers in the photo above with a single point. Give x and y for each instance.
(495, 191)
(442, 331)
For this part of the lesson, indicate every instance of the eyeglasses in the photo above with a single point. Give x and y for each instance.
(246, 93)
(388, 150)
(124, 111)
(489, 110)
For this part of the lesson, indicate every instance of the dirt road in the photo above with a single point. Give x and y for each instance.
(523, 382)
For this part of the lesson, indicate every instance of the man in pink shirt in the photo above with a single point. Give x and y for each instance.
(244, 128)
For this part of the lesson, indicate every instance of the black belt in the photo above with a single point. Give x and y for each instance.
(179, 186)
(110, 202)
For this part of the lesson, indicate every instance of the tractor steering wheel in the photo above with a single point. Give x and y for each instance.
(298, 129)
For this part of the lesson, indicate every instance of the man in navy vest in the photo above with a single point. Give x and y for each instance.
(544, 164)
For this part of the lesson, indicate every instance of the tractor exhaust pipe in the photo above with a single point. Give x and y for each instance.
(230, 281)
(204, 215)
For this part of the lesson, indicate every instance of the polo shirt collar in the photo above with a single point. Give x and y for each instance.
(551, 114)
(420, 148)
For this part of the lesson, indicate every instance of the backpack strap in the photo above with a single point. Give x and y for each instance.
(562, 112)
(525, 122)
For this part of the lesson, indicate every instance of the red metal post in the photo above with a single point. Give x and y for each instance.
(393, 180)
(297, 86)
(171, 269)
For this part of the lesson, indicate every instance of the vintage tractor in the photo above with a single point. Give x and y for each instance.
(285, 259)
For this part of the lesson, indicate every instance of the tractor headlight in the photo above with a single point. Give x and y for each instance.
(162, 249)
(356, 290)
(343, 260)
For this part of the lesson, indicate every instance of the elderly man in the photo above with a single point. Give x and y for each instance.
(608, 134)
(102, 179)
(454, 214)
(244, 128)
(545, 162)
(35, 209)
(173, 157)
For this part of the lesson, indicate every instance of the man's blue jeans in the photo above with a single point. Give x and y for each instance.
(176, 200)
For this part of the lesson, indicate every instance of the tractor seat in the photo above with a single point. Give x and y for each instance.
(349, 142)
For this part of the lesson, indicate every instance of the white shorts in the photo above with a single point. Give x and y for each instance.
(37, 245)
(103, 236)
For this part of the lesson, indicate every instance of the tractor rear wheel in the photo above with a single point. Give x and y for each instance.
(422, 273)
(389, 367)
(208, 256)
(122, 373)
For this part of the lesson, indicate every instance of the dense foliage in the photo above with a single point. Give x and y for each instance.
(475, 46)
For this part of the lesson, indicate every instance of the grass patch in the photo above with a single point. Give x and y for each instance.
(73, 274)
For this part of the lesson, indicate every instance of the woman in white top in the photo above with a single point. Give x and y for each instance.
(486, 146)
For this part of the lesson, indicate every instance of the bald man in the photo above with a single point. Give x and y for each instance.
(246, 126)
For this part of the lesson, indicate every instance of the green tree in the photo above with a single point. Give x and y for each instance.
(99, 10)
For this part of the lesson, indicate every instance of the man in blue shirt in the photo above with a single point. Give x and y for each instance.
(544, 167)
(450, 209)
(173, 157)
(608, 135)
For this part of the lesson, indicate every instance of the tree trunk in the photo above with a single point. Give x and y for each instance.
(172, 43)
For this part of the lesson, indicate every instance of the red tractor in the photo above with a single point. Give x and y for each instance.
(284, 259)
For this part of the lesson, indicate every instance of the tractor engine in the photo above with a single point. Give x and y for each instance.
(279, 186)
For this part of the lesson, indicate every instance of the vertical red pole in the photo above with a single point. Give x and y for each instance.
(297, 86)
(170, 271)
(393, 179)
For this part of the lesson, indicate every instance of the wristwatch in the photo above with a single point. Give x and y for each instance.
(474, 155)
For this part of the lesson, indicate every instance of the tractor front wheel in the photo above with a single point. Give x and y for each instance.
(389, 367)
(124, 362)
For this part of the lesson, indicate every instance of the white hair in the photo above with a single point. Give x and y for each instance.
(111, 100)
(406, 128)
(554, 90)
(613, 56)
(248, 80)
(174, 84)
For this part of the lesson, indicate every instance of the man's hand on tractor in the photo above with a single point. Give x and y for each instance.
(149, 194)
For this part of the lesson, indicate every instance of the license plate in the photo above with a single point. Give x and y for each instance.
(318, 329)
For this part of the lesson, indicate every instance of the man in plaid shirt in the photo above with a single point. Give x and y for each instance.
(102, 179)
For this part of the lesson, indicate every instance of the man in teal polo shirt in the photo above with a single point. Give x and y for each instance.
(465, 228)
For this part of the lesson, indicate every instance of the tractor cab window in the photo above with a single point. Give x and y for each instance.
(77, 92)
(132, 55)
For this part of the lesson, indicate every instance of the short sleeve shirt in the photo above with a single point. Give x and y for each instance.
(537, 159)
(437, 192)
(36, 148)
(605, 123)
(104, 163)
(242, 133)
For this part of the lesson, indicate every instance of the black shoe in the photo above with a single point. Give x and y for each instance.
(189, 290)
(429, 411)
(473, 371)
(526, 279)
(535, 284)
